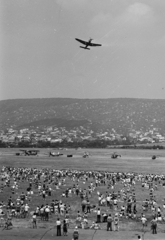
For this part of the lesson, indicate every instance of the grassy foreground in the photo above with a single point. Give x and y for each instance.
(131, 161)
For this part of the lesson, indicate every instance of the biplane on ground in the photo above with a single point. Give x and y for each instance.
(25, 152)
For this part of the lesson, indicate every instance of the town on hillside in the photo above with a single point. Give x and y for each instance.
(52, 136)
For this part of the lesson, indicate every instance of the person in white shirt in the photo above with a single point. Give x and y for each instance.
(98, 215)
(58, 224)
(62, 208)
(26, 209)
(47, 211)
(34, 220)
(144, 221)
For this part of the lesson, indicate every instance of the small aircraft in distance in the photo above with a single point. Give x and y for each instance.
(89, 43)
(85, 155)
(115, 155)
(53, 154)
(155, 157)
(28, 152)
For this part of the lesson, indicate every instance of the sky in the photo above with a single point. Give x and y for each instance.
(40, 58)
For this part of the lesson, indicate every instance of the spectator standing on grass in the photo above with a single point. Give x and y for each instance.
(83, 205)
(34, 220)
(134, 209)
(98, 215)
(116, 222)
(44, 194)
(58, 224)
(26, 209)
(154, 225)
(47, 212)
(115, 204)
(144, 221)
(109, 222)
(88, 206)
(65, 228)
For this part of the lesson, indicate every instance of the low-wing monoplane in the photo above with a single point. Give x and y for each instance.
(87, 43)
(54, 154)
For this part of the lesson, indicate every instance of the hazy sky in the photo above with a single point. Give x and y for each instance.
(40, 58)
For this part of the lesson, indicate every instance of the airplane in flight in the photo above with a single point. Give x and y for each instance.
(89, 43)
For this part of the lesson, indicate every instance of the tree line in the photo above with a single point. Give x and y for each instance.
(126, 144)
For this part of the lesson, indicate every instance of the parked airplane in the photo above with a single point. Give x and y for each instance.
(53, 154)
(85, 155)
(155, 157)
(115, 155)
(28, 152)
(89, 43)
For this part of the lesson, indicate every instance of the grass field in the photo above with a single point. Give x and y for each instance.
(138, 161)
(100, 159)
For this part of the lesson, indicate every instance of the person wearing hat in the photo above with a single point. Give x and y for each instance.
(75, 233)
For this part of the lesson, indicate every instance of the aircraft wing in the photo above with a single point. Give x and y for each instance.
(81, 41)
(94, 45)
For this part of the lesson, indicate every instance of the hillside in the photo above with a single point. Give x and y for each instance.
(122, 115)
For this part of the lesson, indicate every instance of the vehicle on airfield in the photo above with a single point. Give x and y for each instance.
(18, 154)
(25, 152)
(115, 155)
(87, 43)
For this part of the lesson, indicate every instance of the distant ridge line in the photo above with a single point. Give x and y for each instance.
(121, 114)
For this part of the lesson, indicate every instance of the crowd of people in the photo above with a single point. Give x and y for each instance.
(103, 199)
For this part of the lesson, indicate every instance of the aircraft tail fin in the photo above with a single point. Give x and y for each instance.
(85, 47)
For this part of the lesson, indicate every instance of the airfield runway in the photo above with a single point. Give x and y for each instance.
(100, 159)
